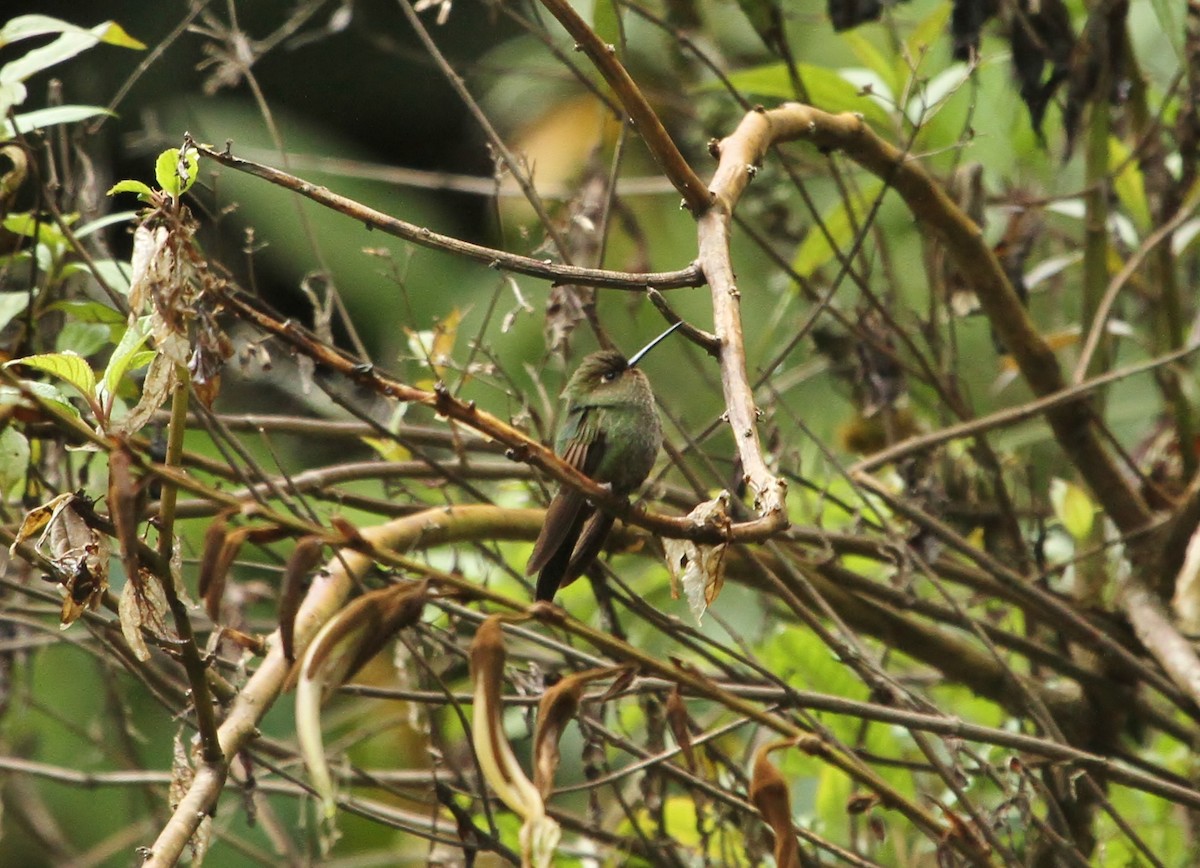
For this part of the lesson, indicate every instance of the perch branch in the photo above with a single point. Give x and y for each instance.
(520, 446)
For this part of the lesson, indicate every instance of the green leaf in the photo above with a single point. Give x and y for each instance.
(142, 190)
(46, 392)
(14, 458)
(173, 178)
(90, 312)
(26, 224)
(870, 57)
(1129, 183)
(826, 89)
(71, 42)
(606, 23)
(122, 357)
(83, 338)
(12, 305)
(815, 250)
(927, 32)
(116, 274)
(1170, 15)
(1073, 507)
(48, 117)
(102, 222)
(68, 366)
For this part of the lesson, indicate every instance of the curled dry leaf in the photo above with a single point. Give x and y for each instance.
(677, 719)
(79, 553)
(220, 551)
(346, 642)
(161, 379)
(143, 606)
(152, 263)
(769, 793)
(539, 833)
(557, 707)
(305, 556)
(123, 509)
(860, 803)
(698, 567)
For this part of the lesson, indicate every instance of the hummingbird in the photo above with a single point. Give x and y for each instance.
(611, 432)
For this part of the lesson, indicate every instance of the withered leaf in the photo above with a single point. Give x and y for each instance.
(556, 708)
(88, 580)
(160, 380)
(79, 553)
(143, 606)
(677, 719)
(344, 644)
(38, 519)
(966, 20)
(363, 627)
(845, 14)
(123, 509)
(305, 556)
(769, 793)
(860, 803)
(539, 833)
(699, 567)
(215, 573)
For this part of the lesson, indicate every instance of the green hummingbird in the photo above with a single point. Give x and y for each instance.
(611, 433)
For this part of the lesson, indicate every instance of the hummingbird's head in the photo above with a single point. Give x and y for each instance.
(606, 378)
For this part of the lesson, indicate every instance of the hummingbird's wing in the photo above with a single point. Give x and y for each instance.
(581, 444)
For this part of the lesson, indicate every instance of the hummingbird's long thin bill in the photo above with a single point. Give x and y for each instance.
(640, 354)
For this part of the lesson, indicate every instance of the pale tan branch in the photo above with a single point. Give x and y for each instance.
(740, 155)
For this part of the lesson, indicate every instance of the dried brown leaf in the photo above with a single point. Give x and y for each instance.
(38, 519)
(677, 719)
(160, 380)
(769, 793)
(362, 628)
(556, 709)
(539, 833)
(142, 606)
(214, 540)
(123, 509)
(860, 803)
(342, 646)
(77, 551)
(214, 584)
(305, 556)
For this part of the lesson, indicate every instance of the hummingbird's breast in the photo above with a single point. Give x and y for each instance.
(633, 436)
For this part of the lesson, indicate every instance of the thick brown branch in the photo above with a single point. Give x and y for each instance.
(1073, 423)
(644, 118)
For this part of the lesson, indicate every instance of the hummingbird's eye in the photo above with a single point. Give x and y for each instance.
(608, 376)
